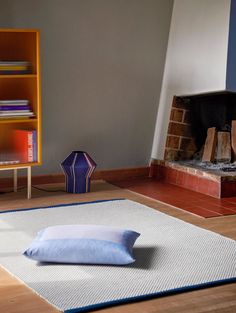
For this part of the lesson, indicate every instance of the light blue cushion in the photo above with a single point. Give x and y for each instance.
(88, 244)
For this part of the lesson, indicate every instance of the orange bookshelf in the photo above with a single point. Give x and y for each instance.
(20, 45)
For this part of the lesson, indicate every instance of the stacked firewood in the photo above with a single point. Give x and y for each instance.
(220, 146)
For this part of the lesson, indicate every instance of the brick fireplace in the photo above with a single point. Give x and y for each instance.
(180, 142)
(200, 62)
(186, 136)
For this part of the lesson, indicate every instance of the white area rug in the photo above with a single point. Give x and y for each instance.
(171, 256)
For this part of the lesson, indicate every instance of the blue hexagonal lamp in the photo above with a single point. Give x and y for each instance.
(78, 168)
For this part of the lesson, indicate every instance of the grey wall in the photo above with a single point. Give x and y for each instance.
(102, 64)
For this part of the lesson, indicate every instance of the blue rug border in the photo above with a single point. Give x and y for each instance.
(61, 205)
(130, 299)
(151, 295)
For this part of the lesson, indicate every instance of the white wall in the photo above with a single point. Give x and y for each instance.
(196, 57)
(102, 66)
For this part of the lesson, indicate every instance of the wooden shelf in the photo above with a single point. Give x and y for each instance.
(16, 120)
(18, 165)
(21, 45)
(18, 76)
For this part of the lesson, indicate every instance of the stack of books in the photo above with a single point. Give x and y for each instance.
(25, 145)
(15, 67)
(15, 109)
(8, 159)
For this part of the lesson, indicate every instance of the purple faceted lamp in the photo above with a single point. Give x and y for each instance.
(78, 168)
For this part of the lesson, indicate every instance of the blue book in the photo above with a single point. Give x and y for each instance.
(13, 107)
(14, 72)
(35, 158)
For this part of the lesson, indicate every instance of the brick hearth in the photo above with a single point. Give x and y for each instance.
(217, 185)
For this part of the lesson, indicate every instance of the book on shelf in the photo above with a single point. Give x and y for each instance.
(7, 117)
(14, 72)
(9, 162)
(15, 108)
(14, 63)
(14, 111)
(15, 67)
(25, 145)
(8, 158)
(14, 102)
(35, 150)
(16, 115)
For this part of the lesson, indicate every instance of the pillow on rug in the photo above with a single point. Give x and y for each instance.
(88, 244)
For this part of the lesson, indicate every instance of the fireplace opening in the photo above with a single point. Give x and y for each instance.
(210, 111)
(197, 120)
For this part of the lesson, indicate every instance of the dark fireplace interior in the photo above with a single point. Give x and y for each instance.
(190, 119)
(217, 110)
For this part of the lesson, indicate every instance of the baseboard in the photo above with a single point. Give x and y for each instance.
(121, 174)
(108, 175)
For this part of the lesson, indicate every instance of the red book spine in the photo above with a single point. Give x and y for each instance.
(30, 146)
(23, 145)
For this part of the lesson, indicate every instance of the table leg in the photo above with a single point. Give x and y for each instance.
(15, 179)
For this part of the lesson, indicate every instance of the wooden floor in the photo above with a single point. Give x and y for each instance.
(16, 297)
(188, 200)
